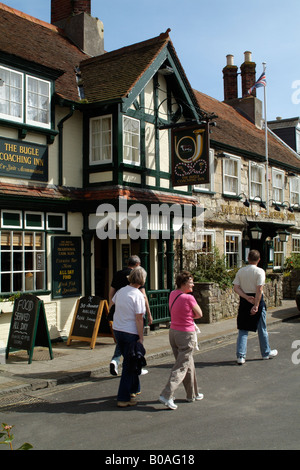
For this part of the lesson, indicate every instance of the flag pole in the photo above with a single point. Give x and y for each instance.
(266, 143)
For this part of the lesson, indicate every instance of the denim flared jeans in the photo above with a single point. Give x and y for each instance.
(241, 345)
(129, 382)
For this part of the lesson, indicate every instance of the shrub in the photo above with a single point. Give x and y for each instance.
(211, 267)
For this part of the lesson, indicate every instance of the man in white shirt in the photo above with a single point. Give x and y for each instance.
(248, 284)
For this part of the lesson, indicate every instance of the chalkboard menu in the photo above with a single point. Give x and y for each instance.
(66, 267)
(28, 326)
(89, 321)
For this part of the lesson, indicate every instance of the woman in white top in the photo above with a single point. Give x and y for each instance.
(128, 328)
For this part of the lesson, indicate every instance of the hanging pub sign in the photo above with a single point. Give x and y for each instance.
(24, 160)
(190, 156)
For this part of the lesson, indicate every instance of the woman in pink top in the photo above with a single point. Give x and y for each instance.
(184, 310)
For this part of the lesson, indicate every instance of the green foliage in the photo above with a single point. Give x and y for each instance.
(9, 437)
(293, 262)
(211, 267)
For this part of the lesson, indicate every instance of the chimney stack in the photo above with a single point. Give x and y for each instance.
(62, 9)
(248, 74)
(74, 17)
(230, 73)
(248, 106)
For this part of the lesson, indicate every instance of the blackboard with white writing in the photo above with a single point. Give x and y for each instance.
(89, 321)
(28, 326)
(85, 319)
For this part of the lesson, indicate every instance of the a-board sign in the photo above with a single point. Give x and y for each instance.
(28, 327)
(90, 320)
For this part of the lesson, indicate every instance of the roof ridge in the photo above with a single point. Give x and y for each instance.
(30, 18)
(163, 37)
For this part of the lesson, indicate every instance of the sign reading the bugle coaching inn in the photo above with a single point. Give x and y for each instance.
(190, 154)
(25, 160)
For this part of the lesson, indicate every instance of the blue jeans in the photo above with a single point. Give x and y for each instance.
(241, 345)
(129, 382)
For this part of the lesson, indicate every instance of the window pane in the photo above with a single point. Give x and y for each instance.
(131, 140)
(38, 101)
(22, 261)
(11, 93)
(101, 140)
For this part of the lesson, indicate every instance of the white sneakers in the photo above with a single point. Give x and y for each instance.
(241, 360)
(113, 367)
(170, 402)
(272, 353)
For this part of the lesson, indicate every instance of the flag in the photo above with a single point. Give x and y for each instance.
(260, 82)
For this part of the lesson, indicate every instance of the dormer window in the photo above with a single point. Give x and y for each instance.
(24, 98)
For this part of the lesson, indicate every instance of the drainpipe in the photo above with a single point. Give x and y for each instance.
(60, 144)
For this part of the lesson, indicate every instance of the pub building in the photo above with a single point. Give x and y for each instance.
(83, 130)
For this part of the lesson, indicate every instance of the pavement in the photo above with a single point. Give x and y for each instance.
(78, 361)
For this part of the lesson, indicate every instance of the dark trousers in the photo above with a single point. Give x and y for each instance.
(129, 382)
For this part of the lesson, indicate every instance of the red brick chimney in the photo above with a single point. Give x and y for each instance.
(230, 73)
(248, 74)
(62, 9)
(74, 17)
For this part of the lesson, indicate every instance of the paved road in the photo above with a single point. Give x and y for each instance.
(254, 406)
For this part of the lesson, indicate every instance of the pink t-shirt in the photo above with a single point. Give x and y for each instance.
(182, 317)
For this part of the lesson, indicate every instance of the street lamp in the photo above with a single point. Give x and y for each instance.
(261, 204)
(276, 206)
(246, 202)
(283, 235)
(290, 208)
(256, 233)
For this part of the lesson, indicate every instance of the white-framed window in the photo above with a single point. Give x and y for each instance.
(22, 261)
(294, 190)
(231, 175)
(131, 140)
(278, 185)
(296, 243)
(37, 101)
(11, 94)
(24, 98)
(208, 186)
(34, 220)
(55, 221)
(11, 219)
(256, 180)
(101, 139)
(233, 249)
(205, 243)
(279, 253)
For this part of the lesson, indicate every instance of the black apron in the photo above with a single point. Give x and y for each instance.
(245, 321)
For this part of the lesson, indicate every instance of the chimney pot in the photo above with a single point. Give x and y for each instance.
(230, 72)
(248, 56)
(230, 59)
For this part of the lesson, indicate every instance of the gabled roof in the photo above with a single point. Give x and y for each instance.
(235, 133)
(114, 74)
(121, 74)
(35, 41)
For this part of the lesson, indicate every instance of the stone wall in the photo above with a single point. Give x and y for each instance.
(217, 304)
(291, 281)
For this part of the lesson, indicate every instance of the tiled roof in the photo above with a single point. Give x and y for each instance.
(236, 131)
(114, 74)
(40, 42)
(109, 194)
